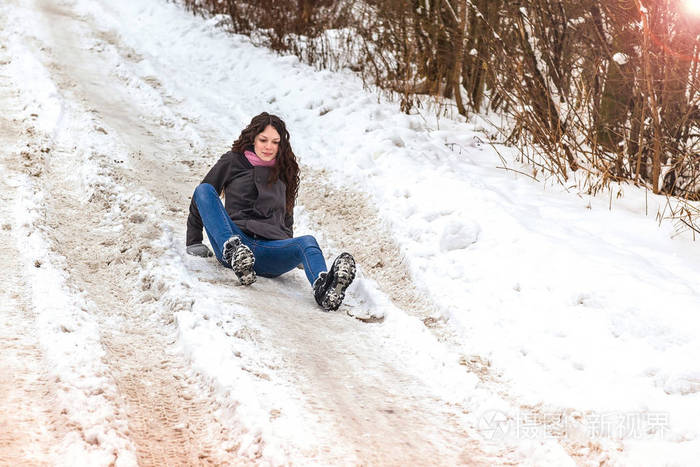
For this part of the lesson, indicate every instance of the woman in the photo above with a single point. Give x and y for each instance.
(252, 233)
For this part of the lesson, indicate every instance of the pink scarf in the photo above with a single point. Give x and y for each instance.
(256, 161)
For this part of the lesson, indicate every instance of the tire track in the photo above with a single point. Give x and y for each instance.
(31, 426)
(169, 423)
(171, 419)
(29, 429)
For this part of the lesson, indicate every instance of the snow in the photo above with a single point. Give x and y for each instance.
(70, 340)
(620, 58)
(575, 306)
(68, 335)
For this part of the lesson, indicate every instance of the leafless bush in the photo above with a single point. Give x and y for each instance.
(603, 91)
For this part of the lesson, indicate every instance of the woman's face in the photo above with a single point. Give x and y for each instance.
(267, 143)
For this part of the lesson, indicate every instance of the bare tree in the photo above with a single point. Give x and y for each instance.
(607, 88)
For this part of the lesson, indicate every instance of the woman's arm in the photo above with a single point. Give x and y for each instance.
(289, 222)
(217, 177)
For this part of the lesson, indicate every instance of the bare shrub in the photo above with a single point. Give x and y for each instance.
(603, 91)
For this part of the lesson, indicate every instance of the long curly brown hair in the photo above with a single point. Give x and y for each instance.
(286, 167)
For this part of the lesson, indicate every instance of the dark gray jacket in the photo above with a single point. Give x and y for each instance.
(256, 206)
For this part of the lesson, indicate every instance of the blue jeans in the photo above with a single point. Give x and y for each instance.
(272, 257)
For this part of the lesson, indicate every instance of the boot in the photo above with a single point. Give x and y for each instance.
(329, 288)
(241, 260)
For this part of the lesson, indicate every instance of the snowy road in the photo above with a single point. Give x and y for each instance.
(502, 303)
(110, 178)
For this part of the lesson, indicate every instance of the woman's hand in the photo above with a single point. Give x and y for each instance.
(198, 249)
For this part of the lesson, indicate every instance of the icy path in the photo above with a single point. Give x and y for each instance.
(188, 369)
(536, 314)
(27, 394)
(147, 403)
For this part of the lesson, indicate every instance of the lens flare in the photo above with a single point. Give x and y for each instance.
(691, 6)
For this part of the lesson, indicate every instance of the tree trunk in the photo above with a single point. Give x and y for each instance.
(462, 10)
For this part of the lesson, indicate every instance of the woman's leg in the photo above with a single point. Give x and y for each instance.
(272, 257)
(217, 223)
(275, 257)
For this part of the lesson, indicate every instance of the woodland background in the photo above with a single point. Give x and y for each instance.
(602, 91)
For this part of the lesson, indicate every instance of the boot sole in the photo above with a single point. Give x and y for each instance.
(343, 275)
(243, 263)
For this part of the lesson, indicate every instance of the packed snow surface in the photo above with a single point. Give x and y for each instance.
(509, 320)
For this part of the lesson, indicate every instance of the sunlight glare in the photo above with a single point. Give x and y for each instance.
(691, 6)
